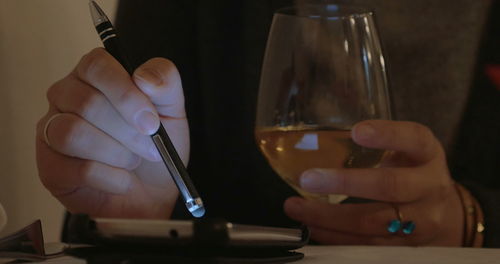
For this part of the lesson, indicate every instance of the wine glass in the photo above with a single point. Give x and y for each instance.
(323, 72)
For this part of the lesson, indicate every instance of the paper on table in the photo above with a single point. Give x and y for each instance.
(27, 244)
(407, 255)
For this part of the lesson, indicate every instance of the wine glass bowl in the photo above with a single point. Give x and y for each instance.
(323, 72)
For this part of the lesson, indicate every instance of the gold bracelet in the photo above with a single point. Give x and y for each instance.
(473, 218)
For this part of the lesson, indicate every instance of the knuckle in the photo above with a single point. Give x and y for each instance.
(54, 91)
(90, 105)
(428, 230)
(85, 169)
(443, 187)
(424, 138)
(93, 63)
(70, 132)
(126, 95)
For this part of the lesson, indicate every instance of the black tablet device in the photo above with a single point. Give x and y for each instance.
(186, 241)
(205, 232)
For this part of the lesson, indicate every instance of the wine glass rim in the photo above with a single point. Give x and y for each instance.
(329, 11)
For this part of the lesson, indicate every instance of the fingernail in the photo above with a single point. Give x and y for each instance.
(149, 76)
(365, 131)
(313, 180)
(147, 122)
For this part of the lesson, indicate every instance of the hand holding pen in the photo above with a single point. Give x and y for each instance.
(160, 137)
(94, 150)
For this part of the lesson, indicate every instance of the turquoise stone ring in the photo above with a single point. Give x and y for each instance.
(398, 224)
(394, 226)
(408, 227)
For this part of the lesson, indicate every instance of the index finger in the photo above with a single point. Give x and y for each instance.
(100, 70)
(400, 185)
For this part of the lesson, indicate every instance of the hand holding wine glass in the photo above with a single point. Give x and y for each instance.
(323, 72)
(323, 84)
(413, 183)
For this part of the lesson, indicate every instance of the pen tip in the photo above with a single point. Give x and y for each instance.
(98, 16)
(198, 212)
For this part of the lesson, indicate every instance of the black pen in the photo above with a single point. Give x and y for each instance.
(161, 139)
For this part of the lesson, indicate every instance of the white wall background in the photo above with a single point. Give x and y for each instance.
(40, 42)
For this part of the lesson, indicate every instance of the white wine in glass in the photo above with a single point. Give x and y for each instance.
(323, 72)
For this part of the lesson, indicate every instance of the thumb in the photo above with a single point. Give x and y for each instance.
(159, 79)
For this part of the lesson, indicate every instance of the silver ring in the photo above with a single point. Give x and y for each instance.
(46, 128)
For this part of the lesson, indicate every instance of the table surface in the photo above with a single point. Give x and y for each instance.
(372, 255)
(407, 255)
